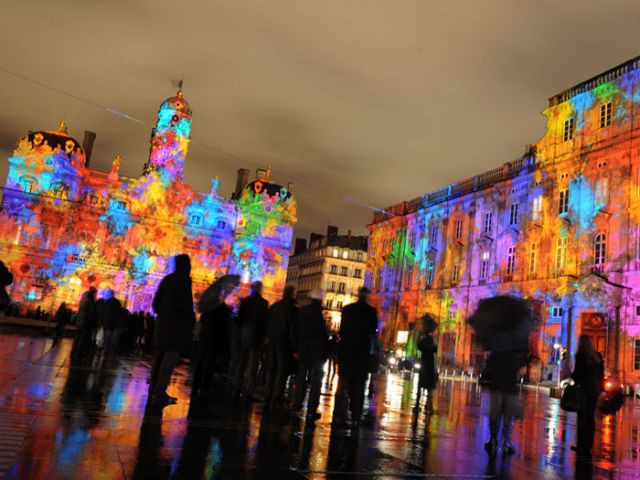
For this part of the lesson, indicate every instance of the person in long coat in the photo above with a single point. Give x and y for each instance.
(427, 377)
(312, 350)
(173, 303)
(281, 343)
(589, 374)
(359, 323)
(212, 345)
(86, 322)
(252, 326)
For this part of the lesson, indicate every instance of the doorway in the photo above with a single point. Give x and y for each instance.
(594, 324)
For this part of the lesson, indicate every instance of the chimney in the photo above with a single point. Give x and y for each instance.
(332, 231)
(87, 146)
(349, 234)
(242, 179)
(301, 246)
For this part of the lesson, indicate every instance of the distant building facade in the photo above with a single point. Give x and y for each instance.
(65, 227)
(559, 226)
(335, 263)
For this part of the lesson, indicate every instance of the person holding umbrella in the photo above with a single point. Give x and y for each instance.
(502, 325)
(428, 376)
(214, 324)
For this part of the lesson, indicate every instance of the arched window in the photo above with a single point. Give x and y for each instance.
(599, 249)
(28, 184)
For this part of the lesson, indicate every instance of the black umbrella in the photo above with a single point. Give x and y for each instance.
(502, 323)
(209, 299)
(428, 323)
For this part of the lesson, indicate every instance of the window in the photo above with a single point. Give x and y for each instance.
(345, 254)
(537, 207)
(557, 312)
(429, 277)
(332, 286)
(357, 273)
(329, 303)
(220, 225)
(488, 222)
(563, 202)
(602, 191)
(344, 271)
(606, 110)
(195, 219)
(511, 260)
(342, 287)
(484, 267)
(28, 184)
(409, 279)
(335, 252)
(599, 249)
(339, 305)
(533, 258)
(360, 256)
(60, 190)
(433, 236)
(93, 198)
(412, 241)
(569, 129)
(455, 274)
(513, 214)
(121, 205)
(561, 254)
(636, 354)
(334, 269)
(458, 229)
(637, 310)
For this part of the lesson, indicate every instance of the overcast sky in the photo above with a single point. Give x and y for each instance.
(373, 100)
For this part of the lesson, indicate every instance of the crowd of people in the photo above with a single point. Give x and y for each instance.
(268, 345)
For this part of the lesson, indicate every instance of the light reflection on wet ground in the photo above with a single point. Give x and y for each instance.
(89, 422)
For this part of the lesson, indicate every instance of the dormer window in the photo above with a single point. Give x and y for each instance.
(121, 205)
(195, 219)
(60, 190)
(221, 225)
(28, 184)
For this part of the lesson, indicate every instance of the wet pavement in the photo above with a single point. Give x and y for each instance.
(90, 422)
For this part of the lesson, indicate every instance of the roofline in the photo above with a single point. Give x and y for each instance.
(593, 82)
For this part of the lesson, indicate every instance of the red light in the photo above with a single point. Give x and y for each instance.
(608, 385)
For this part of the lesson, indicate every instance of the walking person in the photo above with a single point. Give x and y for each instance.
(312, 351)
(503, 368)
(428, 377)
(359, 323)
(214, 329)
(173, 303)
(589, 374)
(6, 279)
(62, 316)
(86, 323)
(281, 343)
(332, 353)
(251, 323)
(109, 312)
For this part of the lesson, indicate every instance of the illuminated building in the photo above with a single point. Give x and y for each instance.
(66, 227)
(335, 263)
(559, 226)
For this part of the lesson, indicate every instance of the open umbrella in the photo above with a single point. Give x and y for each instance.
(209, 299)
(502, 323)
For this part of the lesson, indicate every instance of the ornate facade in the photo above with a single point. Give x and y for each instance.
(559, 226)
(65, 227)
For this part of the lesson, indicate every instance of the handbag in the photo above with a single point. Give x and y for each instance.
(573, 398)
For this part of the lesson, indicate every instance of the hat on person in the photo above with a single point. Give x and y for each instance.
(316, 294)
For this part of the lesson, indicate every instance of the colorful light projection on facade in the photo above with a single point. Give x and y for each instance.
(66, 227)
(559, 226)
